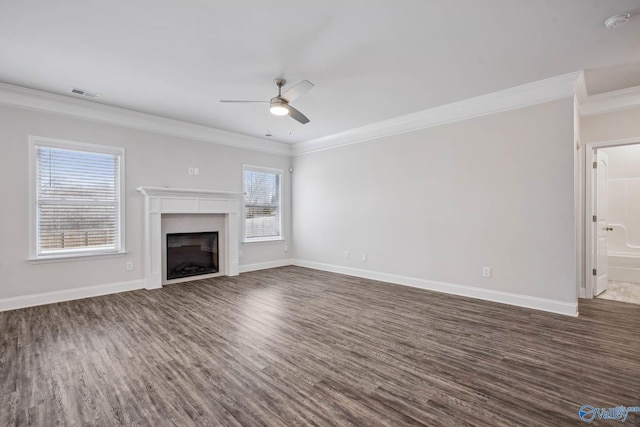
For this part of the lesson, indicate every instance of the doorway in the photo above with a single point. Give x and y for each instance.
(613, 221)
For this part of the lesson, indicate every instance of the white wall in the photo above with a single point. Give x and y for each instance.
(439, 204)
(151, 160)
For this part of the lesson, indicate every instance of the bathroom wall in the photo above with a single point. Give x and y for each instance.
(624, 213)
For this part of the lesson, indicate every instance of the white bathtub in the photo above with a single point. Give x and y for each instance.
(624, 267)
(624, 257)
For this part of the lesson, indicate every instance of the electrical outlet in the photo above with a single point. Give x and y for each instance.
(196, 171)
(239, 254)
(364, 256)
(486, 271)
(129, 265)
(346, 254)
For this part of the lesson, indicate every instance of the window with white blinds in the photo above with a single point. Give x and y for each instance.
(262, 203)
(77, 198)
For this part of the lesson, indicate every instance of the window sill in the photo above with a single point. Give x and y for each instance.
(264, 240)
(75, 257)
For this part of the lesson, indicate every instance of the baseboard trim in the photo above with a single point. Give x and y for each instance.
(265, 265)
(552, 306)
(24, 301)
(558, 307)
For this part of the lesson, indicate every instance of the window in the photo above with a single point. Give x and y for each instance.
(262, 204)
(77, 198)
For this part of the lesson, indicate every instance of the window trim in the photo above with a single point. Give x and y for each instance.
(279, 238)
(34, 143)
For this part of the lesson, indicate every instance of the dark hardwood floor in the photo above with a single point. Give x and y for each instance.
(293, 346)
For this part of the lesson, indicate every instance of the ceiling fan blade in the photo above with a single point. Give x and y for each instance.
(297, 90)
(226, 100)
(297, 115)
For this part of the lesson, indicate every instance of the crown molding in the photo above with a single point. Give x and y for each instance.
(509, 99)
(609, 102)
(36, 100)
(538, 92)
(580, 88)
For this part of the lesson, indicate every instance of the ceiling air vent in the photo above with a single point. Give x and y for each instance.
(83, 92)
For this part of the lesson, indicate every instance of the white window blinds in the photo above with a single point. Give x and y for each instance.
(262, 188)
(77, 200)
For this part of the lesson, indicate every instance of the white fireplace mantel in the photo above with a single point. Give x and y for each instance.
(159, 201)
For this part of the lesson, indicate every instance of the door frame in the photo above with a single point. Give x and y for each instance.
(587, 230)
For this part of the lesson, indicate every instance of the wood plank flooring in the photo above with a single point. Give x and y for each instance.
(292, 346)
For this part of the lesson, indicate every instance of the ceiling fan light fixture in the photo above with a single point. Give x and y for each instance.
(279, 110)
(278, 107)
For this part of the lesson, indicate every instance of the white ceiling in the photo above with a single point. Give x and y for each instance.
(371, 60)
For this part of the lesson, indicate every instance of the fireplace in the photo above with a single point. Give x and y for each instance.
(192, 254)
(161, 202)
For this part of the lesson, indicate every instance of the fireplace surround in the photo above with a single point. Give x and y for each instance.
(160, 201)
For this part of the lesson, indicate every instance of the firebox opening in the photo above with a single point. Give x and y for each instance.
(192, 254)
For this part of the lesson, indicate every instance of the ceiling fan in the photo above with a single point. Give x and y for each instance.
(279, 105)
